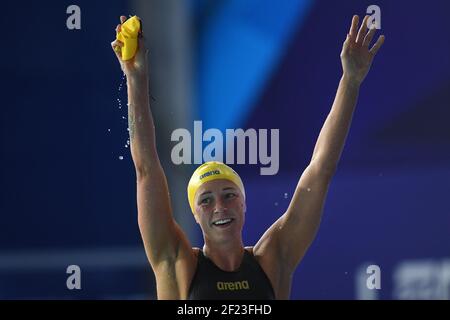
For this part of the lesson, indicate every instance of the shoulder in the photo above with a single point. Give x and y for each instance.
(274, 269)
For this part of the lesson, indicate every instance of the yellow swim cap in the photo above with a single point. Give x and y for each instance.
(128, 35)
(212, 170)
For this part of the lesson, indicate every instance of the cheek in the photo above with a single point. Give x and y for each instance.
(239, 205)
(199, 209)
(202, 214)
(203, 210)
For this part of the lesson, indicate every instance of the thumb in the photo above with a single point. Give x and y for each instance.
(345, 44)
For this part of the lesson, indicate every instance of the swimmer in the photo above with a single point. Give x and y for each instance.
(224, 268)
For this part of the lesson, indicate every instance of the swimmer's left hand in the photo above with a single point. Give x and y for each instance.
(356, 57)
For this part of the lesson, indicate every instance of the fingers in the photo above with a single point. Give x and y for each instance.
(122, 20)
(362, 31)
(369, 37)
(353, 28)
(377, 45)
(117, 47)
(363, 38)
(117, 43)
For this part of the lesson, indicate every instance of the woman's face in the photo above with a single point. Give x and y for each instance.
(220, 210)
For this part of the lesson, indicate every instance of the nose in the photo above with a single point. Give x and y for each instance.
(220, 206)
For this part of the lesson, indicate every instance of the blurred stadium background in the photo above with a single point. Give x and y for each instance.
(67, 197)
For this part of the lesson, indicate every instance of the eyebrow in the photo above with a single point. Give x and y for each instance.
(224, 189)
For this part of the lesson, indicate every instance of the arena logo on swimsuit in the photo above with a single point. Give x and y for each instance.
(236, 285)
(256, 141)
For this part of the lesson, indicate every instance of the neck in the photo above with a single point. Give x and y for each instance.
(227, 256)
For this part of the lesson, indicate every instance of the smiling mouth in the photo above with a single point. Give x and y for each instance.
(223, 222)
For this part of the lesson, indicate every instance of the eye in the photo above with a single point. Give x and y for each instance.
(230, 195)
(205, 201)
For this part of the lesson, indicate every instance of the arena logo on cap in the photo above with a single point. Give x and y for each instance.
(256, 141)
(209, 173)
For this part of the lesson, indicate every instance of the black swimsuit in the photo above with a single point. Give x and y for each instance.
(249, 281)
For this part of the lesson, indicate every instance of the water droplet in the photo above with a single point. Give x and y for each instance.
(123, 117)
(109, 130)
(285, 195)
(128, 142)
(276, 204)
(346, 273)
(126, 146)
(128, 129)
(120, 158)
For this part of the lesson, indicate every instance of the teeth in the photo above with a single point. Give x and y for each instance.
(223, 221)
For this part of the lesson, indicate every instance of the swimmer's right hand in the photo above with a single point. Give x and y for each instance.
(136, 67)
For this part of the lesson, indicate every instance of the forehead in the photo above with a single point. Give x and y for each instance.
(216, 186)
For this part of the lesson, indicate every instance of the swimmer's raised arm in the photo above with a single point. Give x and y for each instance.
(292, 234)
(356, 58)
(163, 239)
(140, 120)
